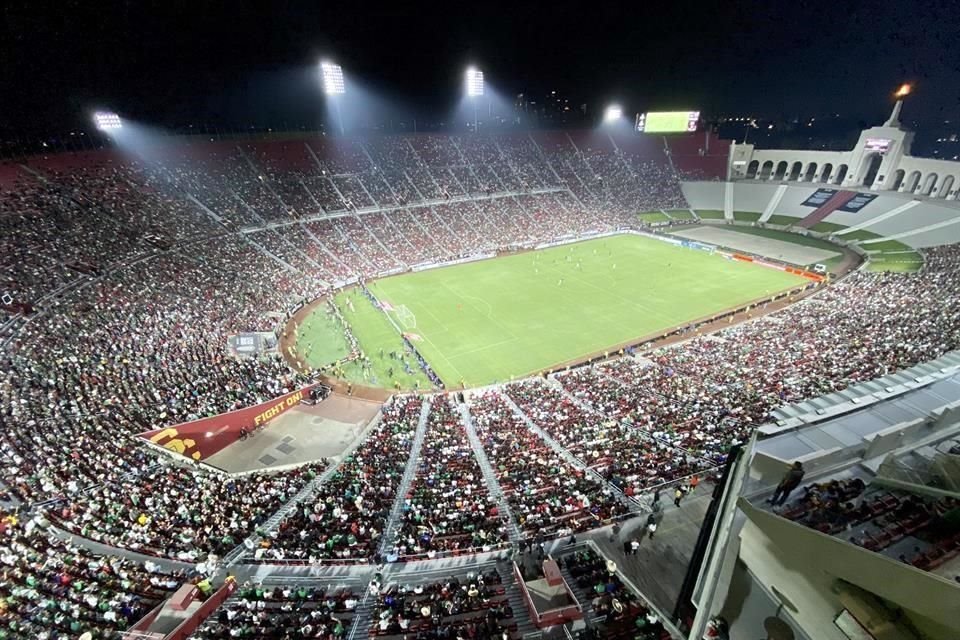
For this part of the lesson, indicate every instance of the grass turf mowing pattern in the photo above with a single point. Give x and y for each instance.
(827, 227)
(487, 321)
(680, 214)
(782, 220)
(885, 246)
(746, 216)
(710, 214)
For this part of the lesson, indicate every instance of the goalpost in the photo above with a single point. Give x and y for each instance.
(406, 317)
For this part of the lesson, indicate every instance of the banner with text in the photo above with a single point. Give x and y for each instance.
(202, 438)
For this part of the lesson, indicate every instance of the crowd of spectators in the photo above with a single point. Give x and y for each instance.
(474, 606)
(625, 455)
(618, 612)
(448, 507)
(155, 278)
(53, 590)
(345, 519)
(711, 391)
(547, 495)
(917, 529)
(282, 612)
(180, 513)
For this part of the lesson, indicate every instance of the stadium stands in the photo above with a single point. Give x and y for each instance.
(123, 281)
(475, 607)
(282, 612)
(448, 507)
(347, 516)
(547, 495)
(55, 589)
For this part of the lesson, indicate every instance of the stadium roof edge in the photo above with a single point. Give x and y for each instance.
(869, 395)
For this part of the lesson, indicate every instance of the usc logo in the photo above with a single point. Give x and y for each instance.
(168, 440)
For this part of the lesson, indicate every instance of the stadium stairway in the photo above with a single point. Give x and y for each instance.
(493, 485)
(521, 615)
(392, 528)
(836, 201)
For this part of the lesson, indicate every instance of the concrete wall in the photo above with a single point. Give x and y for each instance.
(804, 564)
(808, 589)
(926, 223)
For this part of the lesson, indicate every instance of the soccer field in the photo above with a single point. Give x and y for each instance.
(488, 321)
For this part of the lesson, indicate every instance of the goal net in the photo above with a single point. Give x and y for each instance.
(405, 317)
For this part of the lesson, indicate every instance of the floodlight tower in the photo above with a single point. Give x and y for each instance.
(107, 121)
(474, 92)
(333, 87)
(612, 113)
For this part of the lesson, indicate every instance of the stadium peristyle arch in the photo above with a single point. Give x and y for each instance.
(880, 161)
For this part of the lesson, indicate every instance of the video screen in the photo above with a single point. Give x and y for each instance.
(877, 144)
(668, 121)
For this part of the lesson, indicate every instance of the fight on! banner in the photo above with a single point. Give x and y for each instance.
(202, 438)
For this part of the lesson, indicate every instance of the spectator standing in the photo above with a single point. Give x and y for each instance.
(678, 495)
(651, 525)
(790, 481)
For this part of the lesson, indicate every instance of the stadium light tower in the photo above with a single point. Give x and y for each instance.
(474, 91)
(612, 113)
(107, 121)
(333, 86)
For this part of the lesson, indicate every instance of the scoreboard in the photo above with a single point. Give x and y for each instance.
(667, 121)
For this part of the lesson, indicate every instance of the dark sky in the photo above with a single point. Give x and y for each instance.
(173, 62)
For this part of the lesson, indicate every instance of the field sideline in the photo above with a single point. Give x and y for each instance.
(488, 321)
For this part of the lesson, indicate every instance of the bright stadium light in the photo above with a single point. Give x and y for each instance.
(332, 79)
(474, 82)
(903, 91)
(612, 113)
(107, 121)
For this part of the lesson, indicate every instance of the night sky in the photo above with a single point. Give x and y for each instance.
(175, 63)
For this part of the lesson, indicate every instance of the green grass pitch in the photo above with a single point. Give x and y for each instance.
(491, 320)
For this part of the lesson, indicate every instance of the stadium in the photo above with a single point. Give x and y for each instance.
(629, 381)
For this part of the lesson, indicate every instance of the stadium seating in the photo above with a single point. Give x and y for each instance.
(474, 607)
(346, 517)
(619, 612)
(879, 519)
(547, 495)
(448, 507)
(54, 589)
(122, 281)
(282, 612)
